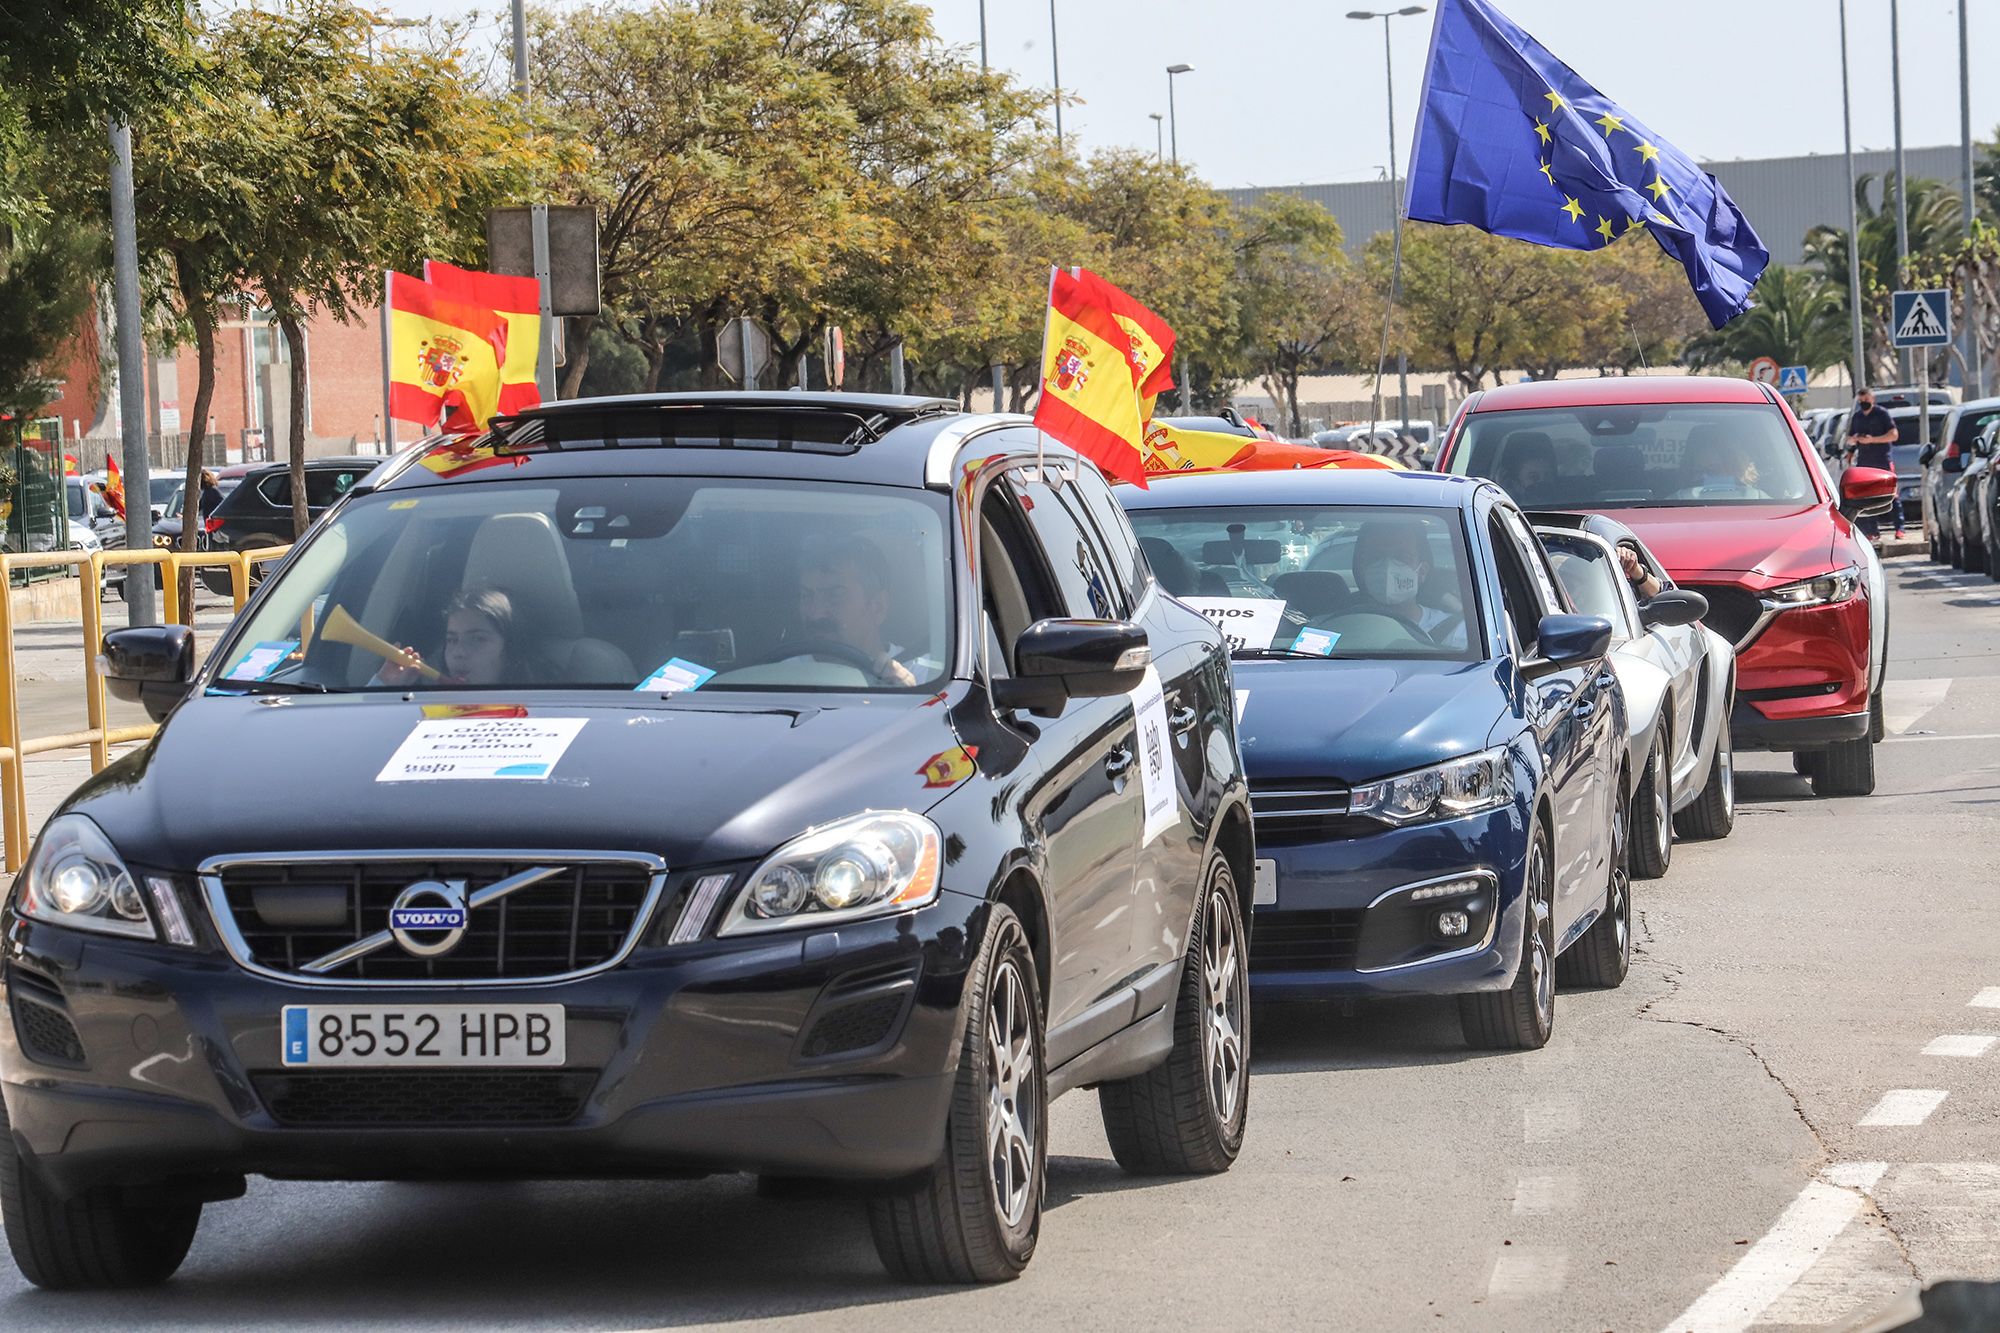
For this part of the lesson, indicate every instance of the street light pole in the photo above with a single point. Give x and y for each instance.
(1173, 121)
(1055, 67)
(1396, 243)
(1902, 192)
(1159, 134)
(1975, 369)
(132, 457)
(545, 357)
(1860, 375)
(982, 36)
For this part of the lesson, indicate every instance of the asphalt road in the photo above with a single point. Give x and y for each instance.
(1713, 1146)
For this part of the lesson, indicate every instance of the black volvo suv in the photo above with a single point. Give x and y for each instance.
(808, 785)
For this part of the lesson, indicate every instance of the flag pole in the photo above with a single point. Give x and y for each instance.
(388, 350)
(1041, 440)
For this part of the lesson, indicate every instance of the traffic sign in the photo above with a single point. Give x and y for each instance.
(1764, 371)
(1920, 319)
(1792, 379)
(743, 350)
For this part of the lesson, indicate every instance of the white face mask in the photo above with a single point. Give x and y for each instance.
(1389, 581)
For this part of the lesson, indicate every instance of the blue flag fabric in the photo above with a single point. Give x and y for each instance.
(1511, 141)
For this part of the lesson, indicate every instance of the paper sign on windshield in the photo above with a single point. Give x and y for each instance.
(677, 675)
(262, 660)
(1246, 622)
(482, 749)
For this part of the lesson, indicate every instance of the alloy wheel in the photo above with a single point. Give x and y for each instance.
(1223, 993)
(1540, 925)
(1011, 1095)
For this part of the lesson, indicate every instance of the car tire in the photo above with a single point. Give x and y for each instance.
(93, 1241)
(1845, 769)
(1713, 813)
(1603, 956)
(974, 1216)
(1522, 1017)
(1185, 1116)
(1651, 821)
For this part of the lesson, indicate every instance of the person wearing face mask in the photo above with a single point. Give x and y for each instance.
(1391, 564)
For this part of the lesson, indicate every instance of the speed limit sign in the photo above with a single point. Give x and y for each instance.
(1764, 370)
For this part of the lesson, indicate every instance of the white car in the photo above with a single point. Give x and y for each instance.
(1679, 680)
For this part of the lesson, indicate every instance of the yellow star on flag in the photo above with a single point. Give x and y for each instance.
(1663, 219)
(1574, 209)
(1646, 152)
(1630, 223)
(1556, 102)
(1541, 130)
(1612, 124)
(1659, 187)
(1603, 228)
(1550, 174)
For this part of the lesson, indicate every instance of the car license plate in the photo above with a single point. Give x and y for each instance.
(1264, 893)
(422, 1036)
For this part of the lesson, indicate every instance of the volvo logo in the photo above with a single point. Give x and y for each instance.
(428, 918)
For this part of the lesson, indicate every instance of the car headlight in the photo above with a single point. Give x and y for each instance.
(871, 864)
(1826, 590)
(76, 878)
(1483, 781)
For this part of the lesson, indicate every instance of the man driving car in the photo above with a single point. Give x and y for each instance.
(844, 600)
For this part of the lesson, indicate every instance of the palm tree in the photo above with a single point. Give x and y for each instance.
(1798, 321)
(1935, 226)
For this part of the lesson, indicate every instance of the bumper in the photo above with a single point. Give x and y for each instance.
(1345, 922)
(1803, 681)
(679, 1063)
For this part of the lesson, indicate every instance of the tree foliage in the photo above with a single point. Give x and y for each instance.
(1799, 321)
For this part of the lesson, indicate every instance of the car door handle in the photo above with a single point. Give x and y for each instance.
(1607, 678)
(1118, 765)
(1182, 718)
(1584, 710)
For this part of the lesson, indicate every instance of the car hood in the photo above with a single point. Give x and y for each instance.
(1778, 541)
(1353, 721)
(694, 783)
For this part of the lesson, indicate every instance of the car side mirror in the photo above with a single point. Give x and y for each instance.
(1926, 454)
(1059, 660)
(1565, 640)
(1674, 606)
(150, 665)
(1867, 491)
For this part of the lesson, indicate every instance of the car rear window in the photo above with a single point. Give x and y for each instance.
(1638, 456)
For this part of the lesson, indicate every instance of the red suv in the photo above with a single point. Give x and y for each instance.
(1719, 480)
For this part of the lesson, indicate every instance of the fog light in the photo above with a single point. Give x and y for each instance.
(1453, 924)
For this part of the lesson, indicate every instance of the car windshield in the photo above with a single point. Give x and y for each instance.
(1588, 574)
(163, 489)
(1637, 456)
(1305, 580)
(665, 584)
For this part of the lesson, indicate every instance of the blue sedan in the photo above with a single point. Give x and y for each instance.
(1436, 744)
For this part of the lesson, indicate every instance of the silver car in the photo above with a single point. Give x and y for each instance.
(1679, 680)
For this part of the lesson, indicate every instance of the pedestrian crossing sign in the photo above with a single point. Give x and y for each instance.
(1920, 319)
(1792, 379)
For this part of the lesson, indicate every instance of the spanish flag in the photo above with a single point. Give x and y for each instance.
(519, 300)
(444, 357)
(1093, 367)
(114, 485)
(1172, 448)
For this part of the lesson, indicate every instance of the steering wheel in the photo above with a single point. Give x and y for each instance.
(845, 653)
(1415, 631)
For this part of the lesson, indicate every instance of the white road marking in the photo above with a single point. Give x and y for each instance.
(1966, 1046)
(1815, 1218)
(1986, 999)
(1904, 1106)
(1535, 1195)
(1551, 1122)
(1524, 1272)
(1981, 736)
(1904, 702)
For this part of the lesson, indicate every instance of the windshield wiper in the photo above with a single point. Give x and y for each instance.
(270, 687)
(1241, 653)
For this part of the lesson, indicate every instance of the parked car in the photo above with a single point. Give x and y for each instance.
(1679, 680)
(830, 788)
(1950, 478)
(256, 512)
(1717, 478)
(1982, 500)
(1435, 743)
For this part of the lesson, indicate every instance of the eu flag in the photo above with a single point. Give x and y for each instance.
(1511, 141)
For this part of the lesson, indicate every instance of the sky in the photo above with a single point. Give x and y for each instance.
(1287, 92)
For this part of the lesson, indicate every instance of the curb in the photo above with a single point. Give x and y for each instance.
(1909, 546)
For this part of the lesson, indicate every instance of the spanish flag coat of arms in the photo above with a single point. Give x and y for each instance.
(444, 357)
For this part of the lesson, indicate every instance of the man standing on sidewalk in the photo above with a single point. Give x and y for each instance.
(1871, 432)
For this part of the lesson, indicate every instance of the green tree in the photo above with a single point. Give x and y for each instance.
(1304, 307)
(45, 290)
(1935, 225)
(1798, 321)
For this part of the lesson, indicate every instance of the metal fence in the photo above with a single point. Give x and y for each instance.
(163, 451)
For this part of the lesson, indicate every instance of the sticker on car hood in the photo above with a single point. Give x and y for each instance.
(482, 749)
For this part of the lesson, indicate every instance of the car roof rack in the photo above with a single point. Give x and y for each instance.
(829, 423)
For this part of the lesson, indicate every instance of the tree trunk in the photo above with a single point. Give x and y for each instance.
(295, 340)
(202, 316)
(579, 353)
